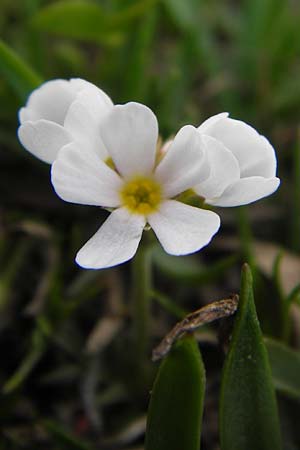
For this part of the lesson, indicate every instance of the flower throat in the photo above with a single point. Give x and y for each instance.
(141, 195)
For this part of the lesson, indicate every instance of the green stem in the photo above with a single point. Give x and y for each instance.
(141, 279)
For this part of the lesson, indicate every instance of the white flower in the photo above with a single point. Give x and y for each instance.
(242, 163)
(138, 191)
(50, 118)
(105, 155)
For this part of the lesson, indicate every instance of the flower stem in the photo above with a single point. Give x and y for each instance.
(141, 280)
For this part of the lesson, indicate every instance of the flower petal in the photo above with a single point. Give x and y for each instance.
(95, 100)
(246, 190)
(114, 243)
(84, 128)
(82, 177)
(43, 138)
(208, 123)
(224, 169)
(50, 101)
(254, 152)
(183, 229)
(130, 133)
(184, 163)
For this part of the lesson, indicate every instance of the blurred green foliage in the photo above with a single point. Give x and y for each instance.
(65, 334)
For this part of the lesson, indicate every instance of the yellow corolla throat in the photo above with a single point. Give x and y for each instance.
(141, 195)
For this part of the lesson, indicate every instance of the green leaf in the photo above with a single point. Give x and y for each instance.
(184, 13)
(87, 20)
(176, 406)
(16, 72)
(64, 439)
(295, 217)
(18, 256)
(191, 19)
(138, 55)
(188, 269)
(285, 365)
(76, 19)
(248, 410)
(36, 351)
(294, 296)
(168, 304)
(134, 11)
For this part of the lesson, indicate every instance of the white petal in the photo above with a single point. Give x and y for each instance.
(130, 134)
(114, 243)
(265, 164)
(43, 139)
(254, 152)
(80, 85)
(95, 100)
(246, 190)
(85, 115)
(224, 169)
(50, 101)
(24, 114)
(80, 176)
(84, 128)
(211, 121)
(184, 163)
(183, 229)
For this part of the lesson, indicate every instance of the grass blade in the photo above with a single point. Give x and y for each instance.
(16, 72)
(285, 365)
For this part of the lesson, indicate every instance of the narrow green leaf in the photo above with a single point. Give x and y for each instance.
(175, 85)
(295, 216)
(64, 439)
(172, 266)
(138, 55)
(190, 18)
(87, 20)
(168, 304)
(285, 365)
(294, 296)
(185, 14)
(34, 355)
(132, 12)
(176, 406)
(14, 265)
(188, 269)
(16, 72)
(76, 19)
(248, 410)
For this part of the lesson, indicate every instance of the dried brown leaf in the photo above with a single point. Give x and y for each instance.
(191, 322)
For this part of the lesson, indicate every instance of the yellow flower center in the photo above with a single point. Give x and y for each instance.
(141, 195)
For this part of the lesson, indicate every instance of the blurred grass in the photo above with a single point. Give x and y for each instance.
(187, 60)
